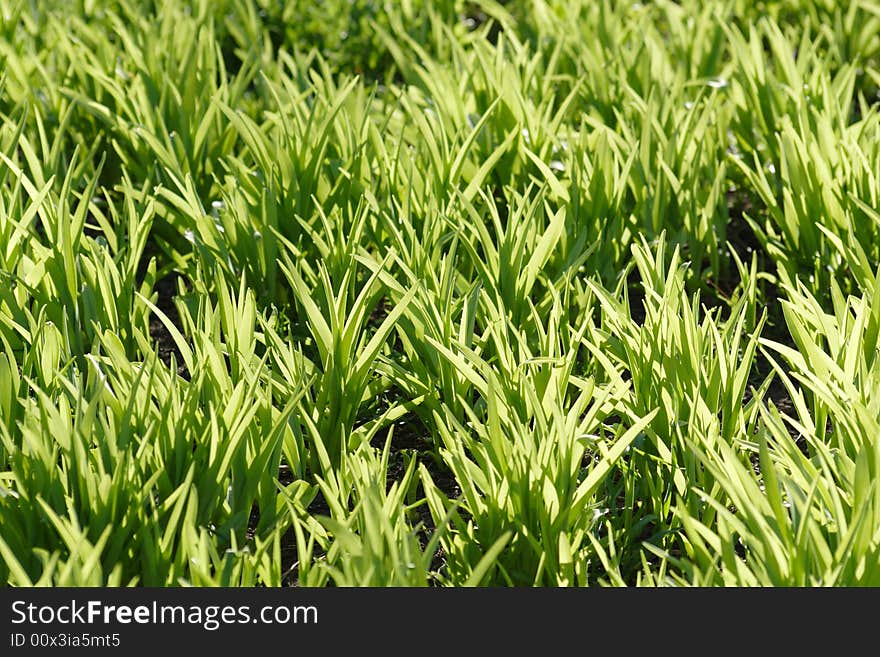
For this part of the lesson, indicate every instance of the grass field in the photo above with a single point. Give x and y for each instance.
(547, 292)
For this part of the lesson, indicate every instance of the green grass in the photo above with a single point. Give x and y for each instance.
(555, 293)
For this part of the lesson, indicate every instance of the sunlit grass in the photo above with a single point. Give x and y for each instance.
(555, 293)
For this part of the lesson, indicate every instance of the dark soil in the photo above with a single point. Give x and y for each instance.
(165, 345)
(166, 288)
(743, 240)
